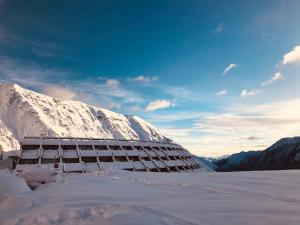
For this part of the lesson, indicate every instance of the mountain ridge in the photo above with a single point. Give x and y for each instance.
(27, 113)
(283, 154)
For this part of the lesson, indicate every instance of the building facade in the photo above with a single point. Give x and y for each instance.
(87, 155)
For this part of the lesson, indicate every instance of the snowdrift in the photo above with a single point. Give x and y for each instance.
(114, 197)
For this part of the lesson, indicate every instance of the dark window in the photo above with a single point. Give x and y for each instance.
(164, 170)
(69, 160)
(173, 169)
(85, 147)
(100, 147)
(50, 147)
(49, 161)
(140, 170)
(89, 159)
(106, 159)
(30, 147)
(138, 147)
(68, 147)
(115, 147)
(28, 161)
(181, 168)
(146, 158)
(121, 158)
(134, 158)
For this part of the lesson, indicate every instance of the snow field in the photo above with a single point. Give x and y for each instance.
(116, 197)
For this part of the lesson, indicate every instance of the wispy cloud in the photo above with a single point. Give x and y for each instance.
(134, 108)
(168, 117)
(221, 92)
(247, 93)
(143, 79)
(239, 127)
(40, 49)
(277, 76)
(219, 28)
(28, 73)
(108, 93)
(62, 93)
(292, 57)
(159, 104)
(229, 67)
(114, 83)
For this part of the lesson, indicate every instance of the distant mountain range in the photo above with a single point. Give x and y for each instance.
(283, 155)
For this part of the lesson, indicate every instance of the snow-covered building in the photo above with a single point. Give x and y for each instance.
(87, 155)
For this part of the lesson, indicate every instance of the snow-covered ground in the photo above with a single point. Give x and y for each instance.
(126, 198)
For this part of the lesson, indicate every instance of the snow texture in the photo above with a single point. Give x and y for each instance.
(114, 197)
(27, 113)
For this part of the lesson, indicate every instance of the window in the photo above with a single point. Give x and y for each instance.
(89, 159)
(115, 147)
(28, 161)
(127, 147)
(100, 147)
(146, 158)
(50, 161)
(106, 159)
(85, 147)
(69, 160)
(133, 158)
(50, 147)
(121, 158)
(30, 147)
(68, 147)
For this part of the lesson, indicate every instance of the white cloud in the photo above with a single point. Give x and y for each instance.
(221, 93)
(105, 93)
(112, 105)
(61, 93)
(112, 83)
(134, 108)
(292, 57)
(40, 49)
(143, 79)
(219, 28)
(235, 130)
(247, 93)
(229, 67)
(277, 76)
(238, 128)
(173, 117)
(159, 104)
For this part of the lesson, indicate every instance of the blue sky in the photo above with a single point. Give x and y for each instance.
(217, 76)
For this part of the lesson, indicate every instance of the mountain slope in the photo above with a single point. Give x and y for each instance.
(284, 154)
(27, 113)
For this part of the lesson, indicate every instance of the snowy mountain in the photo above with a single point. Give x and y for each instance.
(27, 113)
(284, 154)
